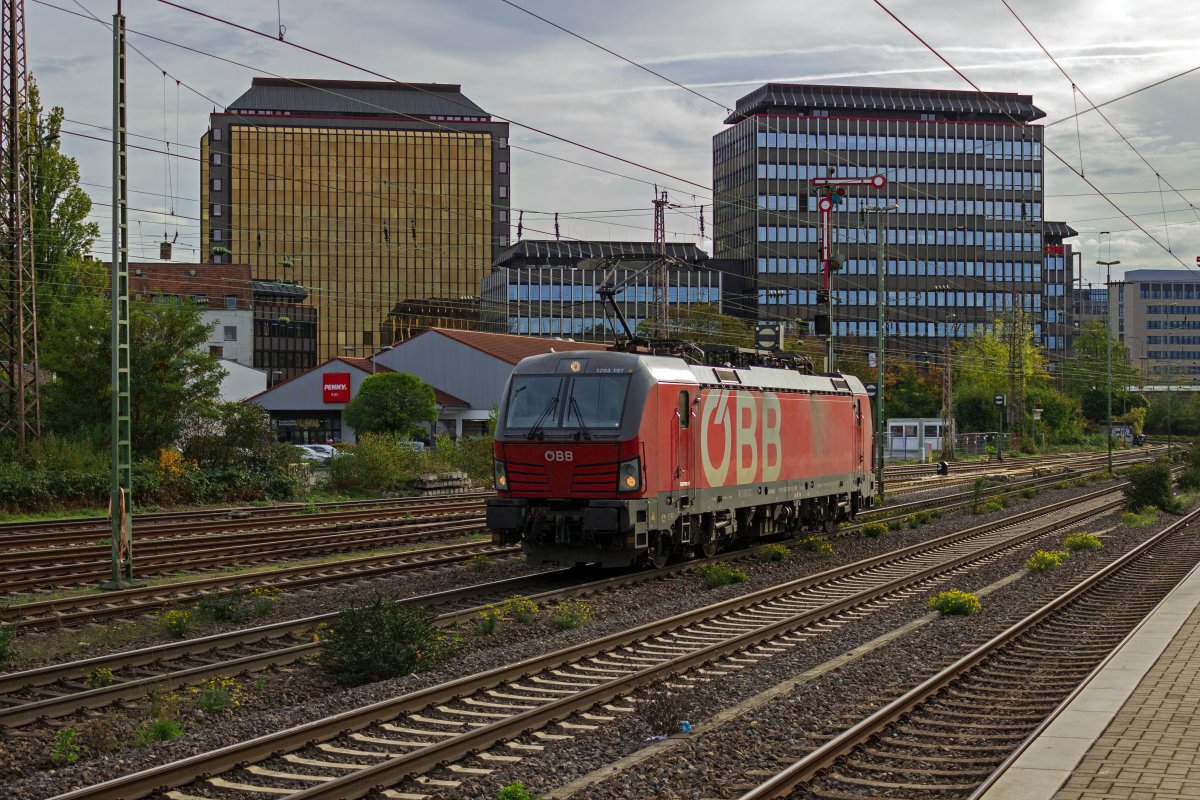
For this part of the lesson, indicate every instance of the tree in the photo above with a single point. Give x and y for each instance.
(909, 394)
(61, 233)
(172, 380)
(992, 362)
(1088, 370)
(393, 402)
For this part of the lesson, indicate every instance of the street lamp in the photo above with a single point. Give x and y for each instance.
(880, 285)
(1108, 265)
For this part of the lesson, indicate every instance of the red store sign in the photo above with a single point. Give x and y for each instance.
(335, 387)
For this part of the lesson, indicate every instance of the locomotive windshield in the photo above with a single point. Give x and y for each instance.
(585, 402)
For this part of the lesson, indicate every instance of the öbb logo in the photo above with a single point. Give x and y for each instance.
(560, 455)
(740, 431)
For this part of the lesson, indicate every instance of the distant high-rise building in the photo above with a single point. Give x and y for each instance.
(365, 193)
(966, 243)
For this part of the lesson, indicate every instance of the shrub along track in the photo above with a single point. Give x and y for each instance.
(351, 754)
(946, 736)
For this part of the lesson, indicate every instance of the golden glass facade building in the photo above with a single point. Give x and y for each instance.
(366, 193)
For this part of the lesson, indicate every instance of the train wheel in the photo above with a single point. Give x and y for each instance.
(660, 549)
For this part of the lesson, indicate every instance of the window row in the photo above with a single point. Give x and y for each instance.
(987, 270)
(1173, 309)
(1174, 355)
(987, 178)
(922, 329)
(1187, 324)
(630, 294)
(992, 209)
(1023, 241)
(1169, 291)
(988, 148)
(1173, 340)
(595, 326)
(989, 301)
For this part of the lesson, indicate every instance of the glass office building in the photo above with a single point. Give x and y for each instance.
(967, 241)
(365, 193)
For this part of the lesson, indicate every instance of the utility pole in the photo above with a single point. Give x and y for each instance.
(948, 396)
(835, 194)
(661, 316)
(880, 286)
(20, 409)
(120, 502)
(1108, 265)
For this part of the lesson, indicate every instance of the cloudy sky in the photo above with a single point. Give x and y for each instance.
(519, 67)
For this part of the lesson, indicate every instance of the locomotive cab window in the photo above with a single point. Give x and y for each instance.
(533, 399)
(685, 410)
(596, 401)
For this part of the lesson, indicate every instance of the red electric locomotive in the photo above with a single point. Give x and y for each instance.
(620, 458)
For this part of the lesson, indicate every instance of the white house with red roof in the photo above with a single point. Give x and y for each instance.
(468, 371)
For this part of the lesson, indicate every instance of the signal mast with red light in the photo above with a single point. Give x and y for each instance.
(835, 195)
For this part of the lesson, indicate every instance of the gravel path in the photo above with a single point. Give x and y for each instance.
(301, 693)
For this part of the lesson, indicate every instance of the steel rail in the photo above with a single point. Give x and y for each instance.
(59, 574)
(26, 615)
(165, 535)
(181, 772)
(826, 755)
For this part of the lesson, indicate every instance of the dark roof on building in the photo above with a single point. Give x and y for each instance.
(792, 98)
(277, 291)
(212, 281)
(577, 251)
(1060, 229)
(508, 348)
(372, 98)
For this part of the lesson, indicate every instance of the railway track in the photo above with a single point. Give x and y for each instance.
(946, 737)
(99, 606)
(175, 664)
(168, 534)
(379, 746)
(144, 522)
(63, 612)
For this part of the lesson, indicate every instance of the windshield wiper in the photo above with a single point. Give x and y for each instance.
(583, 428)
(536, 430)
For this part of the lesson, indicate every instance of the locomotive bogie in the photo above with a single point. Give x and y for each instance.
(621, 458)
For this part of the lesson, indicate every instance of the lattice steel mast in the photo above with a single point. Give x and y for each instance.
(20, 414)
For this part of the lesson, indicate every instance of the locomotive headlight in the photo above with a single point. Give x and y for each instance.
(629, 475)
(501, 476)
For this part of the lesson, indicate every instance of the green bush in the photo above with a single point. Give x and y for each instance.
(480, 564)
(771, 552)
(873, 530)
(1150, 485)
(218, 694)
(158, 729)
(1190, 478)
(520, 609)
(8, 650)
(819, 547)
(1082, 540)
(978, 488)
(925, 517)
(381, 640)
(955, 602)
(100, 736)
(912, 521)
(571, 613)
(1045, 560)
(895, 524)
(1147, 516)
(720, 573)
(490, 618)
(516, 791)
(66, 749)
(175, 622)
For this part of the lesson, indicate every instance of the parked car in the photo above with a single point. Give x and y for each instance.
(327, 450)
(309, 452)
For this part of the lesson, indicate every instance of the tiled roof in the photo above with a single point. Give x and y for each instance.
(866, 100)
(363, 363)
(511, 348)
(445, 399)
(575, 251)
(380, 98)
